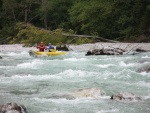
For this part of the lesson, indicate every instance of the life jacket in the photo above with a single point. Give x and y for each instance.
(51, 48)
(41, 48)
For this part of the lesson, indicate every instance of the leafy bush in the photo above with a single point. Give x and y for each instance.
(30, 35)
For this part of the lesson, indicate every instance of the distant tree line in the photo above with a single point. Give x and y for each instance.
(112, 19)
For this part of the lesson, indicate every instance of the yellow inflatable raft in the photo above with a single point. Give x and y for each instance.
(54, 53)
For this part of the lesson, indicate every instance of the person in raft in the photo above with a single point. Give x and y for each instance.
(51, 48)
(41, 47)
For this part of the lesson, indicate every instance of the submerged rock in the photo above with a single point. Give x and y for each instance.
(125, 96)
(89, 92)
(31, 53)
(81, 93)
(144, 69)
(66, 96)
(12, 108)
(144, 60)
(1, 57)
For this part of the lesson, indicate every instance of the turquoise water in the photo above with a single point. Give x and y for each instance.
(44, 84)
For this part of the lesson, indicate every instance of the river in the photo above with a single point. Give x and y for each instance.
(42, 84)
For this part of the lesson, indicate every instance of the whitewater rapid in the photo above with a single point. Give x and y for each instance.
(47, 84)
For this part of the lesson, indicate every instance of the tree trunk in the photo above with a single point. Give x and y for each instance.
(45, 23)
(26, 13)
(87, 36)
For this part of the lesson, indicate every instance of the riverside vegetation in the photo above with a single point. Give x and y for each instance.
(32, 21)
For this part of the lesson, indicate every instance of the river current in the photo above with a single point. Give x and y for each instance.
(43, 84)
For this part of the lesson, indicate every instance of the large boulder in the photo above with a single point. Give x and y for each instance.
(12, 108)
(81, 93)
(125, 96)
(89, 92)
(106, 51)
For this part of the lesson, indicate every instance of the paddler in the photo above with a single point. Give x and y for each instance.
(51, 48)
(41, 47)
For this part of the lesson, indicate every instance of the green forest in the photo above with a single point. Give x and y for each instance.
(32, 21)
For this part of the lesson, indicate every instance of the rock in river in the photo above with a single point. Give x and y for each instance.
(144, 69)
(89, 92)
(125, 96)
(12, 108)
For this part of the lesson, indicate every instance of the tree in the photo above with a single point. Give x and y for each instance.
(91, 17)
(54, 13)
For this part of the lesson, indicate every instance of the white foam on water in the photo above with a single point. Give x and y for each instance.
(97, 97)
(34, 64)
(67, 74)
(105, 75)
(143, 83)
(123, 64)
(21, 54)
(146, 56)
(108, 111)
(114, 58)
(24, 53)
(35, 77)
(12, 54)
(76, 73)
(122, 74)
(76, 59)
(43, 100)
(146, 97)
(6, 67)
(66, 101)
(105, 65)
(3, 80)
(145, 74)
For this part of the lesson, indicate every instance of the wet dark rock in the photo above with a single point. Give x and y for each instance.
(141, 50)
(144, 69)
(62, 48)
(89, 53)
(125, 96)
(106, 51)
(12, 108)
(1, 57)
(31, 53)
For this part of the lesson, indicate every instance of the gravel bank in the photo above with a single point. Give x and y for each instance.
(83, 47)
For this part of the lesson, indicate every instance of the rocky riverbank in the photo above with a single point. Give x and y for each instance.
(128, 46)
(83, 47)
